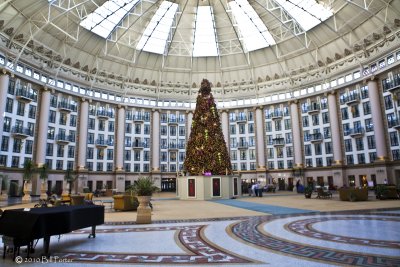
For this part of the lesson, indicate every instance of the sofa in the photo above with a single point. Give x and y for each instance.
(353, 194)
(125, 202)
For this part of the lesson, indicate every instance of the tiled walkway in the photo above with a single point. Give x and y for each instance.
(289, 237)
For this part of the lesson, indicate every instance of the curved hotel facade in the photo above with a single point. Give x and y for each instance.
(343, 131)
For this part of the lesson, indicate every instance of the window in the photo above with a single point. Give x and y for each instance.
(309, 163)
(91, 138)
(15, 162)
(172, 130)
(395, 154)
(305, 121)
(99, 166)
(71, 151)
(243, 154)
(51, 133)
(109, 166)
(348, 145)
(278, 125)
(9, 105)
(345, 114)
(52, 116)
(288, 124)
(110, 154)
(233, 155)
(307, 150)
(289, 151)
(361, 158)
(102, 125)
(136, 155)
(394, 141)
(349, 159)
(232, 129)
(268, 126)
(319, 162)
(388, 102)
(49, 149)
(364, 92)
(60, 151)
(181, 130)
(17, 145)
(328, 148)
(369, 127)
(371, 142)
(20, 108)
(270, 165)
(90, 152)
(63, 118)
(89, 166)
(325, 117)
(359, 144)
(111, 126)
(270, 153)
(28, 147)
(242, 128)
(164, 130)
(4, 143)
(243, 166)
(100, 154)
(7, 124)
(315, 119)
(317, 149)
(32, 112)
(367, 108)
(92, 124)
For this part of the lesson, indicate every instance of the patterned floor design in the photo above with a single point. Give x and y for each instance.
(352, 238)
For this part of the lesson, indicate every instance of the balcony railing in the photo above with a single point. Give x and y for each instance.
(65, 106)
(105, 114)
(104, 143)
(313, 108)
(25, 95)
(354, 132)
(63, 138)
(351, 99)
(21, 132)
(392, 84)
(243, 145)
(394, 123)
(280, 141)
(173, 146)
(276, 115)
(316, 137)
(137, 145)
(241, 119)
(138, 117)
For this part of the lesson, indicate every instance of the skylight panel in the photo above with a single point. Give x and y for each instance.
(155, 36)
(104, 19)
(308, 13)
(254, 32)
(204, 38)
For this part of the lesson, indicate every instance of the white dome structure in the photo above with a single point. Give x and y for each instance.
(162, 49)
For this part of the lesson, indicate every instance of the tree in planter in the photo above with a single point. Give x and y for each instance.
(69, 177)
(28, 171)
(43, 175)
(4, 186)
(308, 191)
(144, 188)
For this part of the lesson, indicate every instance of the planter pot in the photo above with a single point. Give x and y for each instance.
(4, 195)
(27, 192)
(43, 194)
(144, 210)
(307, 195)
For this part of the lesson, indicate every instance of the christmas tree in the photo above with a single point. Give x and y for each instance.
(206, 151)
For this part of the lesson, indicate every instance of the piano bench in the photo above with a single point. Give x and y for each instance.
(15, 244)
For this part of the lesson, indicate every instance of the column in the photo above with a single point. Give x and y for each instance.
(335, 130)
(41, 139)
(379, 132)
(296, 128)
(225, 127)
(377, 119)
(155, 142)
(83, 133)
(119, 179)
(120, 146)
(189, 124)
(4, 81)
(260, 139)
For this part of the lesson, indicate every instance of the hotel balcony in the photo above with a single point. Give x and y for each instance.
(355, 132)
(104, 114)
(316, 138)
(352, 99)
(138, 118)
(280, 141)
(314, 108)
(392, 84)
(241, 119)
(63, 139)
(172, 121)
(21, 132)
(277, 115)
(66, 107)
(25, 95)
(103, 143)
(243, 145)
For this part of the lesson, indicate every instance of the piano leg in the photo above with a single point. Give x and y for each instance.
(93, 234)
(46, 245)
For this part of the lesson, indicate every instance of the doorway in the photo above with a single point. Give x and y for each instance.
(168, 184)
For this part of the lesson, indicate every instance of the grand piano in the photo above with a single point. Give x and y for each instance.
(24, 226)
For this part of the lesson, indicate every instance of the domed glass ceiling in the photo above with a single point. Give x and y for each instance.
(161, 50)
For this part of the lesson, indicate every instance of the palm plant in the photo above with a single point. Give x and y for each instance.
(29, 169)
(144, 186)
(44, 172)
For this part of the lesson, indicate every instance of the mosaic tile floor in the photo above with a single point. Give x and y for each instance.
(354, 238)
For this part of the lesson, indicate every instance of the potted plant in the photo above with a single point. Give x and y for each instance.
(4, 187)
(144, 188)
(69, 177)
(43, 175)
(308, 191)
(28, 171)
